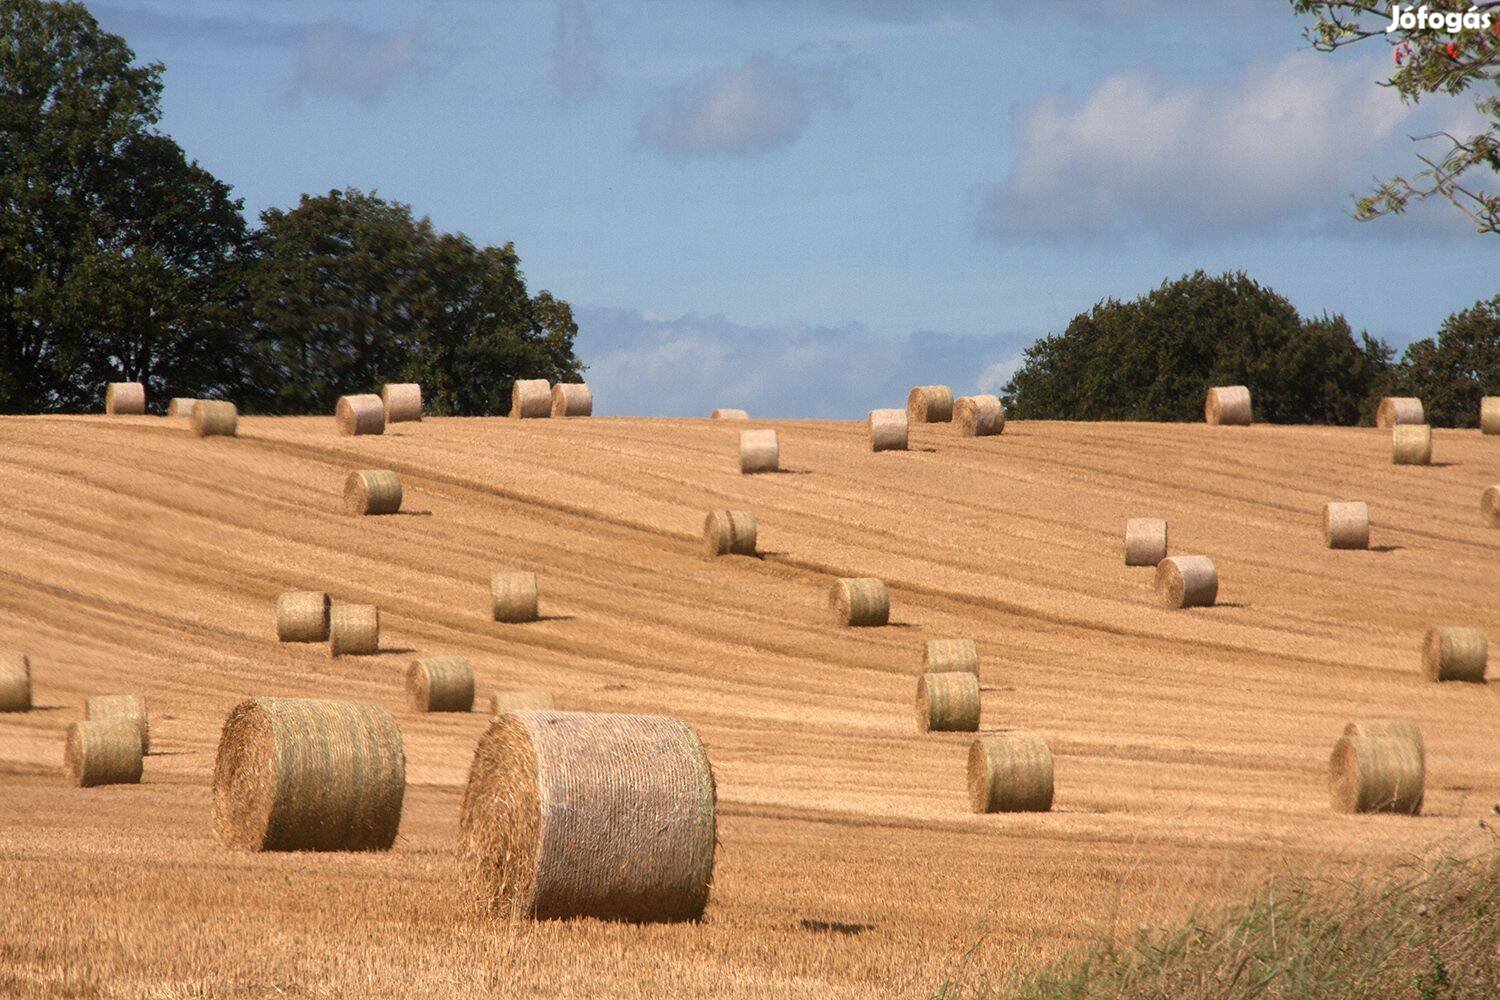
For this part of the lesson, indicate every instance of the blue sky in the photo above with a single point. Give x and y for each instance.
(805, 206)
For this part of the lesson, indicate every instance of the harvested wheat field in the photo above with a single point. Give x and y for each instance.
(1190, 747)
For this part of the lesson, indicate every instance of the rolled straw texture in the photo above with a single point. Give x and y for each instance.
(947, 703)
(302, 616)
(103, 752)
(215, 418)
(1187, 581)
(1395, 410)
(1455, 654)
(759, 452)
(859, 601)
(572, 399)
(1376, 774)
(1010, 772)
(514, 597)
(363, 414)
(1489, 505)
(1411, 444)
(530, 398)
(1391, 729)
(515, 701)
(372, 492)
(978, 416)
(929, 404)
(1489, 415)
(15, 682)
(942, 656)
(1346, 524)
(1228, 405)
(571, 814)
(726, 414)
(353, 630)
(1145, 541)
(298, 774)
(181, 406)
(402, 401)
(440, 684)
(124, 398)
(729, 532)
(121, 706)
(888, 430)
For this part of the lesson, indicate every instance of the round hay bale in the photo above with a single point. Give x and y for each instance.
(729, 532)
(215, 418)
(513, 597)
(1346, 524)
(124, 398)
(301, 774)
(181, 406)
(302, 616)
(859, 601)
(363, 414)
(572, 814)
(943, 656)
(1489, 415)
(1010, 772)
(1411, 444)
(929, 404)
(888, 430)
(1455, 654)
(1395, 410)
(103, 752)
(1228, 405)
(947, 703)
(440, 684)
(1187, 582)
(372, 492)
(759, 452)
(1376, 774)
(402, 401)
(725, 414)
(15, 682)
(530, 398)
(1145, 541)
(572, 399)
(353, 630)
(1390, 729)
(516, 701)
(129, 707)
(978, 416)
(1489, 505)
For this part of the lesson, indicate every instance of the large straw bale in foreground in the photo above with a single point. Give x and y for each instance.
(1411, 444)
(1376, 774)
(515, 701)
(358, 415)
(1395, 410)
(942, 656)
(121, 706)
(1187, 582)
(215, 418)
(1489, 415)
(440, 684)
(859, 601)
(124, 399)
(402, 401)
(889, 430)
(353, 630)
(947, 703)
(929, 404)
(1455, 654)
(372, 492)
(1346, 524)
(729, 532)
(15, 682)
(1010, 772)
(570, 814)
(1145, 541)
(530, 399)
(572, 399)
(978, 416)
(302, 616)
(1394, 729)
(759, 451)
(514, 597)
(296, 774)
(103, 752)
(1228, 405)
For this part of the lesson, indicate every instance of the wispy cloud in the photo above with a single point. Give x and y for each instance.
(337, 57)
(577, 65)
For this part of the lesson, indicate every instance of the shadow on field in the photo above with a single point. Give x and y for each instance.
(834, 926)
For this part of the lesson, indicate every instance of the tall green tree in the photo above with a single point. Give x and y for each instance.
(1453, 371)
(1462, 53)
(1153, 358)
(111, 241)
(348, 290)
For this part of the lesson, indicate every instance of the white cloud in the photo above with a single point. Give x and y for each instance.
(577, 66)
(342, 58)
(1278, 151)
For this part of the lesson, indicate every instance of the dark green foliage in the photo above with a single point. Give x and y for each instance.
(1154, 358)
(1452, 372)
